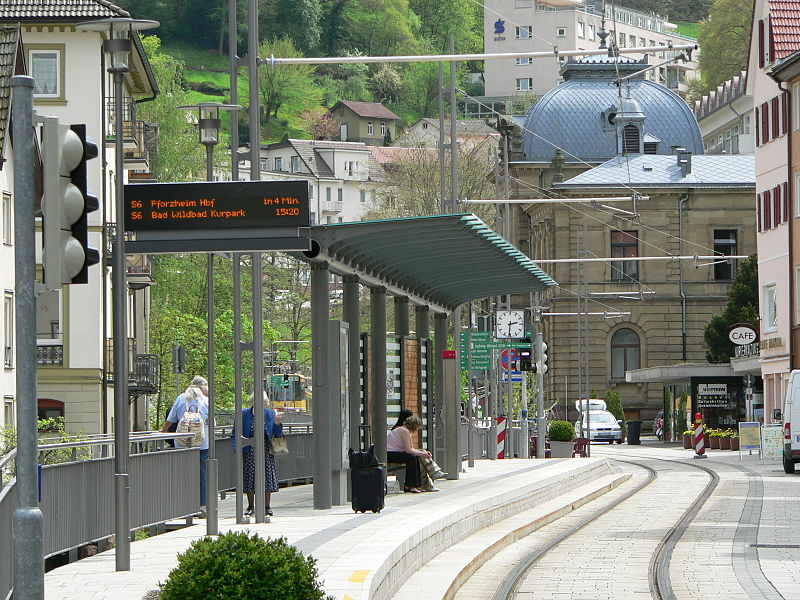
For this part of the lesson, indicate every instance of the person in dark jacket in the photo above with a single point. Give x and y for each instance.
(272, 428)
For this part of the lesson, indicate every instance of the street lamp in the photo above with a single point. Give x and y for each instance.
(208, 124)
(118, 46)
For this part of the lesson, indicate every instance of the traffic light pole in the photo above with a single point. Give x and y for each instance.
(27, 523)
(541, 427)
(122, 488)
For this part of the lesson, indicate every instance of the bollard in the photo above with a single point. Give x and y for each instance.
(699, 437)
(501, 437)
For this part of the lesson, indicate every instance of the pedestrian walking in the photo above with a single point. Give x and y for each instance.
(272, 428)
(189, 414)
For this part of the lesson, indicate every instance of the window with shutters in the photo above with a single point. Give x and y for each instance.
(761, 44)
(630, 139)
(767, 212)
(776, 118)
(765, 130)
(785, 196)
(776, 206)
(758, 211)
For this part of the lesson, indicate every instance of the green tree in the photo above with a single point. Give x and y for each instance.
(379, 27)
(412, 183)
(179, 156)
(439, 19)
(725, 41)
(742, 307)
(285, 84)
(386, 83)
(300, 20)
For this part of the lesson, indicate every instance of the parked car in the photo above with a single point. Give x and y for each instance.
(602, 425)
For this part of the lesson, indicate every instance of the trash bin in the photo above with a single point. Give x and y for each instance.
(634, 431)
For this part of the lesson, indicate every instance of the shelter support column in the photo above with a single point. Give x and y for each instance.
(439, 346)
(320, 367)
(377, 324)
(352, 317)
(451, 373)
(422, 326)
(401, 316)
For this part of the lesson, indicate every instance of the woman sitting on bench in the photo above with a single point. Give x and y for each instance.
(399, 449)
(430, 470)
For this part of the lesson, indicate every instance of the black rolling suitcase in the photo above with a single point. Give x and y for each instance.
(368, 481)
(368, 488)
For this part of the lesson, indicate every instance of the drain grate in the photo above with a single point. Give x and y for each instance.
(775, 545)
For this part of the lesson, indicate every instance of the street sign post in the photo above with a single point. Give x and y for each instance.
(476, 349)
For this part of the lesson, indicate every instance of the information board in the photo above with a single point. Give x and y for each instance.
(216, 205)
(772, 442)
(749, 436)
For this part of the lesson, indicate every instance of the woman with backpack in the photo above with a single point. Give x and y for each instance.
(189, 414)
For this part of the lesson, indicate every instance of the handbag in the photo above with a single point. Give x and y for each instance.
(278, 445)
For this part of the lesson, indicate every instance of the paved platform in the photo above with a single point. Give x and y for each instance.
(359, 556)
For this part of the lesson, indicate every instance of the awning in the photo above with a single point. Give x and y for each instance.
(680, 373)
(441, 261)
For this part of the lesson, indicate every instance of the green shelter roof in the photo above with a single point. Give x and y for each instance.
(441, 261)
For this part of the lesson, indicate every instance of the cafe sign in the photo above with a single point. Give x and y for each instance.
(741, 335)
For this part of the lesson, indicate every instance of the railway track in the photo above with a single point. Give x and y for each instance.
(660, 585)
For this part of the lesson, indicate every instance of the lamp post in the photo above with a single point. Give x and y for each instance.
(208, 125)
(118, 46)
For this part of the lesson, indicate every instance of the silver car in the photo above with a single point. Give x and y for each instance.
(603, 426)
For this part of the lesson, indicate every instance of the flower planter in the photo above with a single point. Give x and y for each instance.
(688, 441)
(735, 444)
(724, 443)
(713, 443)
(561, 449)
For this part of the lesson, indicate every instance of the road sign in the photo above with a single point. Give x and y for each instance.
(515, 376)
(506, 355)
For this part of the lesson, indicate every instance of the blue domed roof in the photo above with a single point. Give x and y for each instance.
(578, 115)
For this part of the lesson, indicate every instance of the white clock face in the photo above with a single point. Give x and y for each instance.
(510, 323)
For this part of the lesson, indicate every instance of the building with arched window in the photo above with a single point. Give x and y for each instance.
(638, 143)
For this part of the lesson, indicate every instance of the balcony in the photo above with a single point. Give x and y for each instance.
(143, 370)
(330, 207)
(138, 137)
(140, 272)
(50, 354)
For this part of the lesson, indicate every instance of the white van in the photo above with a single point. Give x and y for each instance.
(603, 426)
(791, 423)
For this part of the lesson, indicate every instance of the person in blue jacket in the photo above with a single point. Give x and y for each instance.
(272, 428)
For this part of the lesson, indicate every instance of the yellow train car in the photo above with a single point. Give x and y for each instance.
(290, 392)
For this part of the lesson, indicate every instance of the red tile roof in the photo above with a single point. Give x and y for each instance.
(785, 23)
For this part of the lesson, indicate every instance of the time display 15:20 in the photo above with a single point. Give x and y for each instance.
(217, 205)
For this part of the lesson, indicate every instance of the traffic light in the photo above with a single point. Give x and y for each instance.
(526, 357)
(67, 200)
(541, 363)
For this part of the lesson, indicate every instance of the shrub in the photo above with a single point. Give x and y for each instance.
(561, 431)
(237, 565)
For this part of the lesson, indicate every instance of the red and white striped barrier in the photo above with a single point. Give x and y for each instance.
(501, 437)
(699, 437)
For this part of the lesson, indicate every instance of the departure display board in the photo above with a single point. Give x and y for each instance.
(217, 205)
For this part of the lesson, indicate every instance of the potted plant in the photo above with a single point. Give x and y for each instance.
(562, 436)
(734, 435)
(713, 438)
(725, 439)
(688, 440)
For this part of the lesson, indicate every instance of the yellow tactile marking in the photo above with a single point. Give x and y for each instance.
(358, 576)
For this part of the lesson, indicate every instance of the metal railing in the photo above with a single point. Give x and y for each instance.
(50, 354)
(76, 499)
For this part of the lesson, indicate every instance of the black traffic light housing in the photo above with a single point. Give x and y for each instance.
(80, 227)
(525, 356)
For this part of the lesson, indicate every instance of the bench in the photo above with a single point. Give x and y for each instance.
(399, 471)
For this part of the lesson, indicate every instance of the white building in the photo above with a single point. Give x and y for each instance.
(73, 325)
(342, 175)
(546, 25)
(11, 63)
(774, 37)
(725, 116)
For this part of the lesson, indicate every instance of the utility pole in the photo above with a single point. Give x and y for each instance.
(27, 522)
